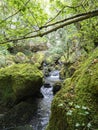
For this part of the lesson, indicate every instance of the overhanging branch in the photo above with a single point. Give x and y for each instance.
(69, 21)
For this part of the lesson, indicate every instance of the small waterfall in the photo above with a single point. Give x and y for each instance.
(41, 118)
(47, 93)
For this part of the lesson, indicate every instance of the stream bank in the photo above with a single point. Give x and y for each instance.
(75, 106)
(40, 116)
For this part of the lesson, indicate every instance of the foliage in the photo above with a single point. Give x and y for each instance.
(19, 19)
(23, 18)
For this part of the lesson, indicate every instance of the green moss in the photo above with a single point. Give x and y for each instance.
(76, 105)
(38, 58)
(18, 81)
(49, 60)
(21, 58)
(63, 59)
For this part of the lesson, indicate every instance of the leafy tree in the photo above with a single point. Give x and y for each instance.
(29, 19)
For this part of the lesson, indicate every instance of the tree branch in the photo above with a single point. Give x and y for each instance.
(69, 21)
(47, 23)
(58, 22)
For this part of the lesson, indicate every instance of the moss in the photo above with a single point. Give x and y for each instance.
(49, 60)
(21, 58)
(38, 58)
(62, 59)
(75, 105)
(19, 81)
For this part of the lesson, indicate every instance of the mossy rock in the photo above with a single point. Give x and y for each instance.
(9, 60)
(20, 114)
(49, 60)
(21, 58)
(75, 106)
(57, 86)
(19, 81)
(36, 47)
(38, 59)
(46, 71)
(57, 67)
(2, 61)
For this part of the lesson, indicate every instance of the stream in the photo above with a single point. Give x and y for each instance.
(40, 119)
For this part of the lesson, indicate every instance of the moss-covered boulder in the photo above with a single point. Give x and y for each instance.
(57, 86)
(35, 47)
(21, 58)
(6, 60)
(2, 61)
(38, 59)
(75, 106)
(48, 60)
(18, 82)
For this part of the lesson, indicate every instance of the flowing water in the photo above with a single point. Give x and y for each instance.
(41, 117)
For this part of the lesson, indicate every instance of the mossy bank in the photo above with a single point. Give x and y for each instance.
(75, 106)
